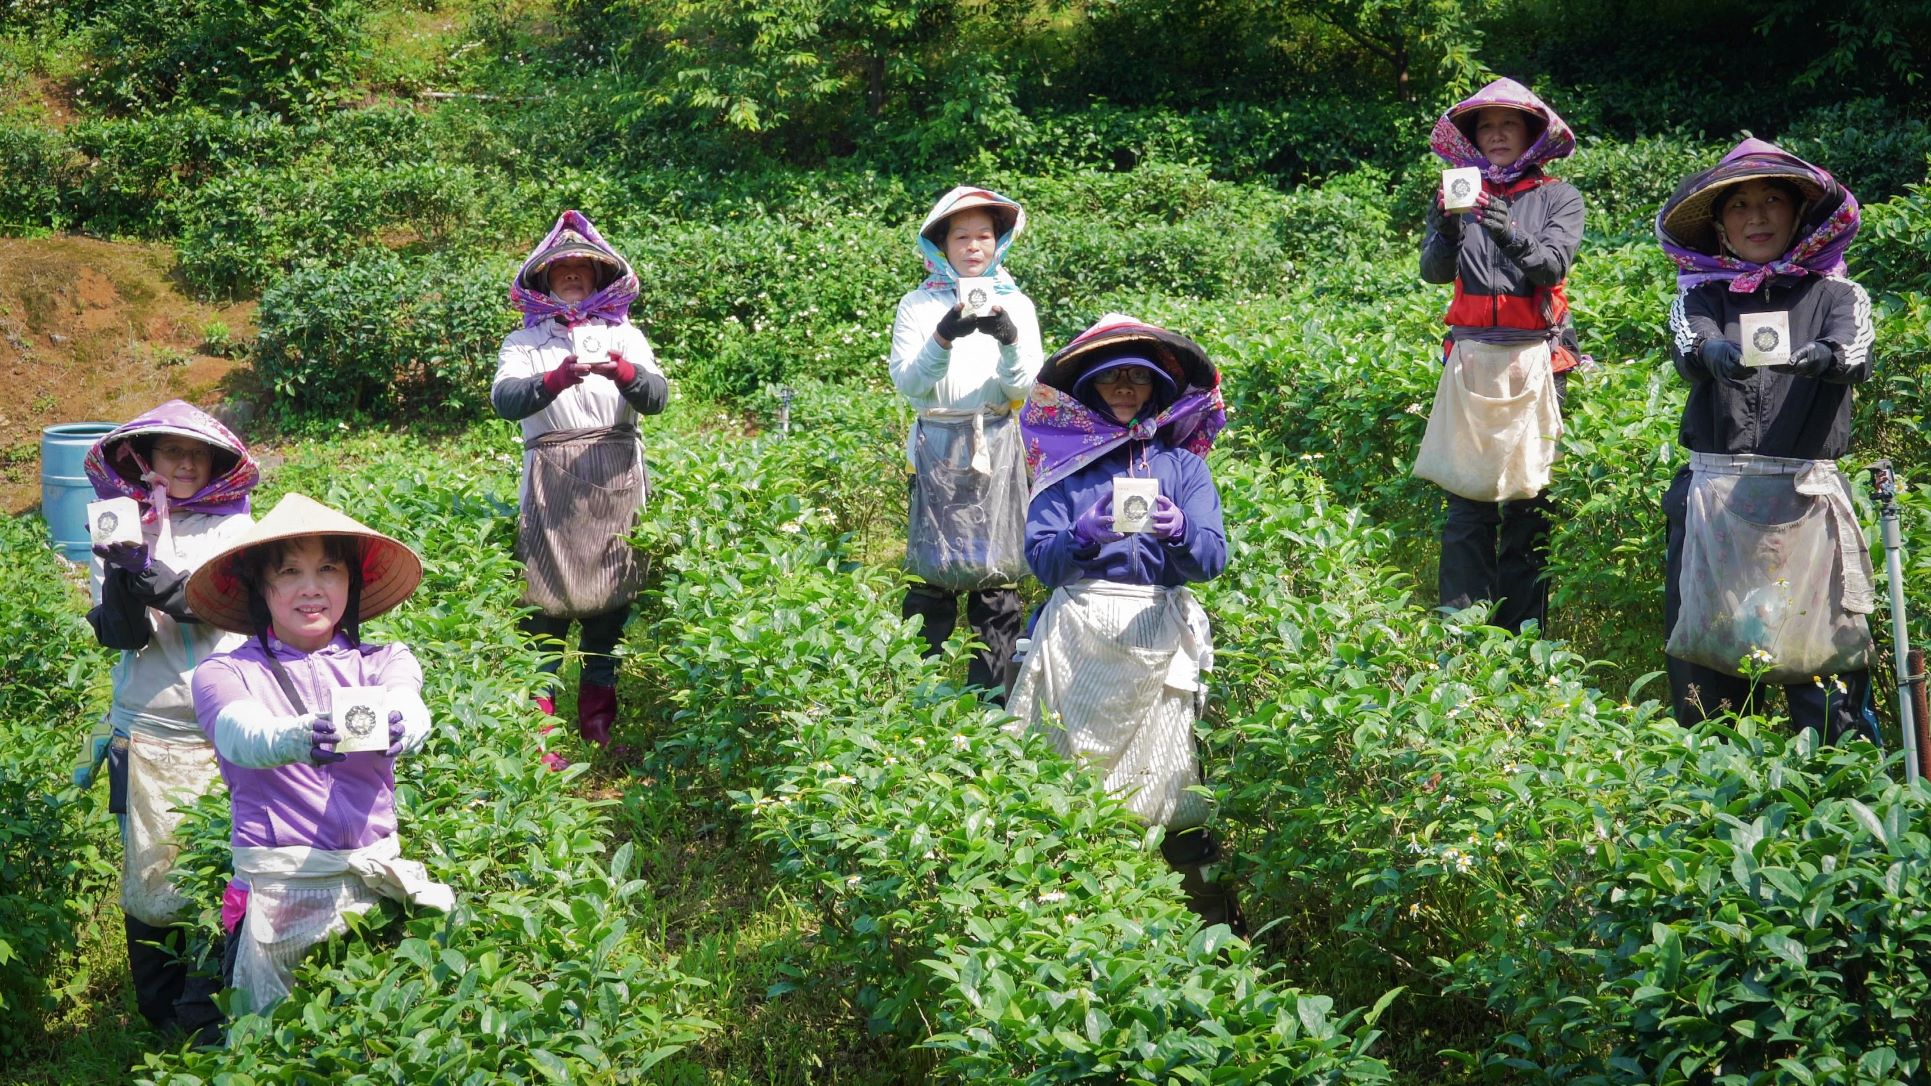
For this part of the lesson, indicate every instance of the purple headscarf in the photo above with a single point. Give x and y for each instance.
(1455, 147)
(118, 470)
(1063, 435)
(612, 303)
(1825, 227)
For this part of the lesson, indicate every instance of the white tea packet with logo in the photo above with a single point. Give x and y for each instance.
(361, 715)
(1460, 187)
(114, 520)
(976, 292)
(1133, 500)
(1766, 339)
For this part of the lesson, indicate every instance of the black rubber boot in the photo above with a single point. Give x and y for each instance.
(155, 965)
(1191, 852)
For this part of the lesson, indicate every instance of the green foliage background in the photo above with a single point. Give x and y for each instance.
(1483, 858)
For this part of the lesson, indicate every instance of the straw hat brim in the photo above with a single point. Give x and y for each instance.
(1004, 217)
(391, 571)
(1691, 219)
(1181, 358)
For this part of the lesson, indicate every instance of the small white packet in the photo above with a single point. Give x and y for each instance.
(591, 343)
(1133, 500)
(976, 292)
(361, 715)
(114, 520)
(1460, 187)
(1766, 339)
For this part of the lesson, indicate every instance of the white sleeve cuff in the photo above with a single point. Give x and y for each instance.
(248, 735)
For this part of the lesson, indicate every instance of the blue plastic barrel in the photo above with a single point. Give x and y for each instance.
(64, 489)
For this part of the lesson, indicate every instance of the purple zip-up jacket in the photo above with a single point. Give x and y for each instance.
(1199, 555)
(344, 805)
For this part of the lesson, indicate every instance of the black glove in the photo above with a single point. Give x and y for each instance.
(998, 324)
(1494, 217)
(1723, 359)
(955, 324)
(1441, 222)
(1811, 359)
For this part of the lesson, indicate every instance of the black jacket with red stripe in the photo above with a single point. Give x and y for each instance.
(1519, 287)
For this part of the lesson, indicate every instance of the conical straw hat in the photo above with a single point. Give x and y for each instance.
(390, 570)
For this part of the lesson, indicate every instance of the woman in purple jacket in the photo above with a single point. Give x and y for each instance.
(314, 833)
(1112, 677)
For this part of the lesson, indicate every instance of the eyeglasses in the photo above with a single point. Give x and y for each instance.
(1131, 375)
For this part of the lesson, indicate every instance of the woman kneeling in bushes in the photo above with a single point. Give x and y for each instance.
(1769, 577)
(314, 834)
(1113, 675)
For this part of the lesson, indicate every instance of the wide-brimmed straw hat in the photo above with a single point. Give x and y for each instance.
(390, 570)
(1690, 216)
(1117, 335)
(570, 245)
(1005, 216)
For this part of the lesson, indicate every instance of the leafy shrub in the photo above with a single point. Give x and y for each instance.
(138, 168)
(36, 166)
(240, 229)
(1866, 143)
(51, 676)
(381, 337)
(284, 56)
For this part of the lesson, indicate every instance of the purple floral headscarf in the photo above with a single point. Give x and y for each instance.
(611, 304)
(1455, 148)
(117, 469)
(1063, 435)
(1816, 250)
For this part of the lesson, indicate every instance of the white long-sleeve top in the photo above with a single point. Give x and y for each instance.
(978, 371)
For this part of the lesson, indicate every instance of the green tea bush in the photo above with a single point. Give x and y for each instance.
(996, 904)
(1875, 151)
(51, 680)
(240, 229)
(1765, 922)
(382, 337)
(284, 56)
(139, 168)
(539, 975)
(37, 165)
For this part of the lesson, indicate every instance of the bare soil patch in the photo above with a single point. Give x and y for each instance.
(98, 331)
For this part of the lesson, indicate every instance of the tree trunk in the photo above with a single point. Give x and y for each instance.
(875, 84)
(1402, 89)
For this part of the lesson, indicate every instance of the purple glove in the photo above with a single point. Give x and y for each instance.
(1169, 523)
(1095, 526)
(132, 557)
(395, 734)
(322, 732)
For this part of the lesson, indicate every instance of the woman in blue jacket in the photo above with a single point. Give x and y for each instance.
(1113, 677)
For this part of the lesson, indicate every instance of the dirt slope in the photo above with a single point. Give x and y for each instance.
(98, 331)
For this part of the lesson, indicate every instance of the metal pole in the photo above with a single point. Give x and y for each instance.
(784, 409)
(1884, 487)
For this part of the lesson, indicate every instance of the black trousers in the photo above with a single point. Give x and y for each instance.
(171, 991)
(996, 616)
(1697, 691)
(1500, 551)
(600, 635)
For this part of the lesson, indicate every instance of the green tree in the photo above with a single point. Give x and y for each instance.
(1439, 34)
(825, 66)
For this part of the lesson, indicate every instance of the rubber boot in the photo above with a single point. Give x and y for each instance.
(596, 711)
(1191, 853)
(155, 966)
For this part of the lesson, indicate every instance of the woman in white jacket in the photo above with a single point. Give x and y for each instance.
(964, 375)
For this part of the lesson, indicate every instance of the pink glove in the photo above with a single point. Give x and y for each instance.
(618, 369)
(568, 374)
(1169, 523)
